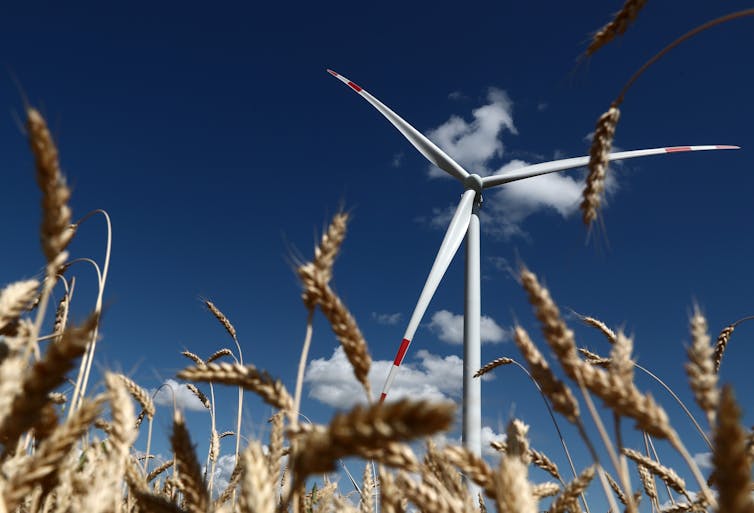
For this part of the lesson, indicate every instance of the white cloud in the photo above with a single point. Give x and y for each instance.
(489, 436)
(473, 144)
(184, 398)
(427, 376)
(397, 160)
(387, 318)
(703, 459)
(449, 328)
(223, 470)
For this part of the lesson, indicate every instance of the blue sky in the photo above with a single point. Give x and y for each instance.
(221, 147)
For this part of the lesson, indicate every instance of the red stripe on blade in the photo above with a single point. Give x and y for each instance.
(383, 395)
(332, 73)
(727, 147)
(677, 148)
(354, 87)
(401, 352)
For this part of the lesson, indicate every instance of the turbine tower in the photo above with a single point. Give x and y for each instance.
(465, 222)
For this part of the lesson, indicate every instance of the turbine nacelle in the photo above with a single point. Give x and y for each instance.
(474, 182)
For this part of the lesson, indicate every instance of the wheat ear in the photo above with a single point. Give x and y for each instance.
(567, 500)
(190, 473)
(730, 458)
(42, 378)
(602, 143)
(617, 26)
(668, 475)
(246, 376)
(700, 367)
(512, 489)
(367, 430)
(723, 338)
(257, 489)
(14, 301)
(494, 364)
(46, 464)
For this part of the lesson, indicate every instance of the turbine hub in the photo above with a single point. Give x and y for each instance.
(473, 182)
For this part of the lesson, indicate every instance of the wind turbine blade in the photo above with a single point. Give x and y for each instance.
(453, 237)
(426, 147)
(561, 165)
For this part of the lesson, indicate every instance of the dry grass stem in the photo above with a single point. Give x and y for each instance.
(494, 364)
(700, 367)
(730, 458)
(602, 143)
(617, 25)
(246, 376)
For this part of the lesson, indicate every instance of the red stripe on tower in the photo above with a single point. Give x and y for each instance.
(401, 352)
(354, 87)
(675, 149)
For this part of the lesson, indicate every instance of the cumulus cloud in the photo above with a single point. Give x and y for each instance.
(223, 470)
(489, 436)
(449, 328)
(703, 459)
(478, 147)
(389, 319)
(473, 144)
(426, 376)
(184, 398)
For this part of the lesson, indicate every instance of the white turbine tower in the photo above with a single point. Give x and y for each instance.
(465, 221)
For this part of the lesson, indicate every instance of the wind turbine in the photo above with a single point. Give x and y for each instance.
(465, 221)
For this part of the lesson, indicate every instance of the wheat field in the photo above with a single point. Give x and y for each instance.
(76, 451)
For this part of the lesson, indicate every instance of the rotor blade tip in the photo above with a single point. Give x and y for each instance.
(727, 147)
(332, 72)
